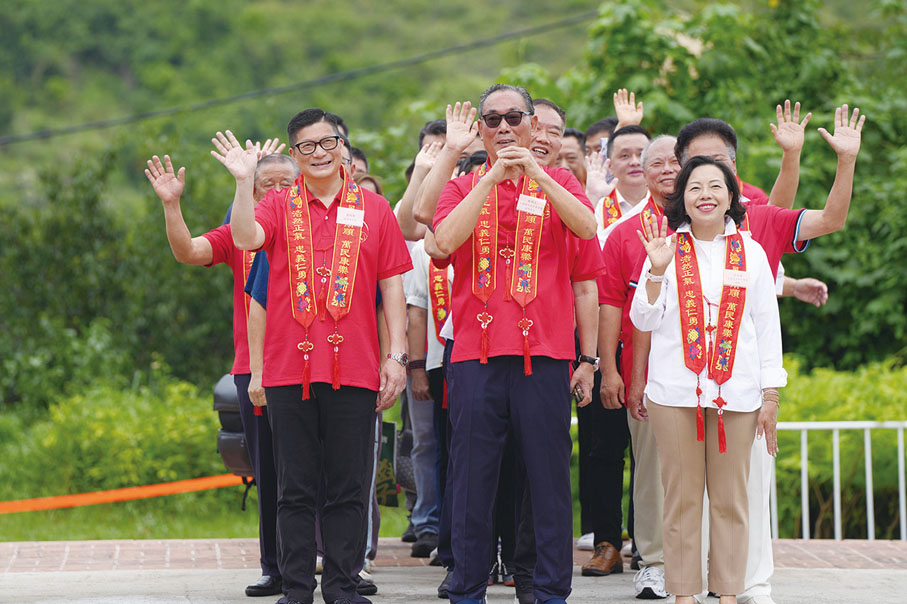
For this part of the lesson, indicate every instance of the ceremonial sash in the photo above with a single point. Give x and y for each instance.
(532, 208)
(439, 293)
(651, 214)
(338, 294)
(611, 212)
(700, 350)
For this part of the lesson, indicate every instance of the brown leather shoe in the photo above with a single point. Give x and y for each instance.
(605, 561)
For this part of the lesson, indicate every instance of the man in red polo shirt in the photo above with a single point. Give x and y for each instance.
(273, 171)
(330, 245)
(507, 228)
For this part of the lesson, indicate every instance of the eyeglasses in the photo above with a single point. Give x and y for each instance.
(513, 118)
(328, 143)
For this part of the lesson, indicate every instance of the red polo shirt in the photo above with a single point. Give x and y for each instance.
(754, 194)
(382, 254)
(776, 230)
(221, 240)
(551, 335)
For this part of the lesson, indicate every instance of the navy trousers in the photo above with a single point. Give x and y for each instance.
(486, 402)
(257, 431)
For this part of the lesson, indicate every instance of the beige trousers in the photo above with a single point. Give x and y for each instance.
(648, 494)
(687, 468)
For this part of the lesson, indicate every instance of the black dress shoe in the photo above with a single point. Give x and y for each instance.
(424, 545)
(409, 535)
(445, 585)
(364, 588)
(267, 585)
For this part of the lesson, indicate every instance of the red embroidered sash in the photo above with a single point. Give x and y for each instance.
(611, 212)
(439, 293)
(699, 349)
(338, 294)
(651, 214)
(523, 281)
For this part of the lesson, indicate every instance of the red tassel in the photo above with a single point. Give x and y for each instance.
(527, 360)
(256, 411)
(306, 377)
(336, 383)
(700, 424)
(722, 441)
(484, 358)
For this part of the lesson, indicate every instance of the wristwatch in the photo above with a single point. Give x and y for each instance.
(587, 359)
(400, 357)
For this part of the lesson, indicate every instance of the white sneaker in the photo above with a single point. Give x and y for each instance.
(586, 542)
(627, 550)
(368, 566)
(650, 583)
(757, 599)
(366, 576)
(319, 565)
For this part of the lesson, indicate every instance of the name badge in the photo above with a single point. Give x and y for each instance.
(350, 217)
(531, 205)
(736, 278)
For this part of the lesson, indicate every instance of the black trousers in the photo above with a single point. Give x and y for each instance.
(603, 436)
(324, 440)
(257, 431)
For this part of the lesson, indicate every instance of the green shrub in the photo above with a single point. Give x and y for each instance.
(107, 438)
(875, 392)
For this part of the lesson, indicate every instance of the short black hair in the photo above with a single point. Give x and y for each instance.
(551, 104)
(606, 125)
(434, 127)
(676, 212)
(307, 117)
(705, 126)
(501, 87)
(358, 153)
(465, 165)
(623, 132)
(578, 135)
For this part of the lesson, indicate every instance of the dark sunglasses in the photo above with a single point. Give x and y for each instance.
(513, 118)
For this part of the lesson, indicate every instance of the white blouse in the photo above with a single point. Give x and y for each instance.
(758, 362)
(415, 287)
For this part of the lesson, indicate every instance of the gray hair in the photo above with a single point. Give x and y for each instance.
(274, 158)
(502, 87)
(645, 151)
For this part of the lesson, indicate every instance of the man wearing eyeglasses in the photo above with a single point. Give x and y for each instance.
(507, 228)
(330, 244)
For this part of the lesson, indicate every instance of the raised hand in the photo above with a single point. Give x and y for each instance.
(239, 161)
(659, 247)
(272, 145)
(597, 185)
(427, 155)
(167, 184)
(461, 125)
(846, 138)
(629, 113)
(790, 131)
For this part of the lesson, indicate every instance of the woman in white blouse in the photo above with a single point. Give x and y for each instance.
(707, 295)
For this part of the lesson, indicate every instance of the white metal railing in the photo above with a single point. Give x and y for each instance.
(835, 428)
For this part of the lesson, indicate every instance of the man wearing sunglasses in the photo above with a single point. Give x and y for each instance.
(330, 245)
(510, 364)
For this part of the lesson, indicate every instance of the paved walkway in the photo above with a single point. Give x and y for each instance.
(215, 571)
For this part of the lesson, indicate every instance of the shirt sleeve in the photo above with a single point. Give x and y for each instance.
(645, 316)
(614, 284)
(393, 258)
(452, 194)
(257, 283)
(587, 262)
(767, 322)
(221, 240)
(266, 215)
(415, 282)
